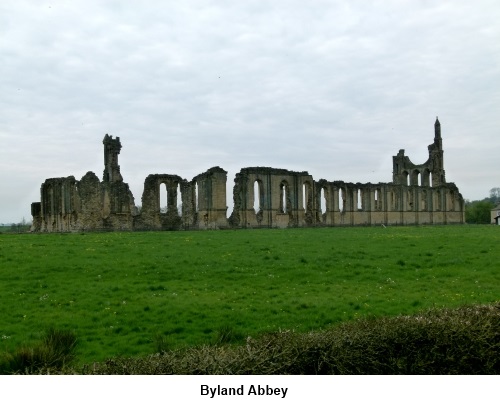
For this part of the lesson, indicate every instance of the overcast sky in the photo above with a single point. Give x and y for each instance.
(334, 88)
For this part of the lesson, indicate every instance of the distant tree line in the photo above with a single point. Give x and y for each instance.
(479, 211)
(22, 226)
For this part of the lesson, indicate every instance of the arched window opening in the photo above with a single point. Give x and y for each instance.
(377, 202)
(425, 178)
(360, 199)
(307, 197)
(179, 200)
(196, 197)
(256, 196)
(341, 200)
(406, 178)
(419, 179)
(323, 201)
(414, 178)
(304, 197)
(430, 180)
(163, 198)
(284, 197)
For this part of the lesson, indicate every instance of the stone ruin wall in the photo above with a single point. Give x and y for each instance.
(263, 197)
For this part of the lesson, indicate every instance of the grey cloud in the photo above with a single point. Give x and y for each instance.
(335, 88)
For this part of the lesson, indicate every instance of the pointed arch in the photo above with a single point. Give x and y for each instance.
(163, 198)
(342, 197)
(426, 178)
(284, 197)
(178, 202)
(406, 179)
(307, 196)
(323, 202)
(258, 196)
(196, 198)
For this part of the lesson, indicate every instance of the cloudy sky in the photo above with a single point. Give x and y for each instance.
(334, 88)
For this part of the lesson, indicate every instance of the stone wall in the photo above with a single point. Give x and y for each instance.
(268, 197)
(263, 197)
(152, 215)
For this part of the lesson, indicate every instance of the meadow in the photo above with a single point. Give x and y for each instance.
(132, 294)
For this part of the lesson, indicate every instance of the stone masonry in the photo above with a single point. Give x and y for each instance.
(263, 197)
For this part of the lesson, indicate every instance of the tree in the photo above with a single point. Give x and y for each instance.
(495, 194)
(478, 212)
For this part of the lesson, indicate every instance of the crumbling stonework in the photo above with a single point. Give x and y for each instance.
(153, 216)
(71, 205)
(263, 197)
(210, 198)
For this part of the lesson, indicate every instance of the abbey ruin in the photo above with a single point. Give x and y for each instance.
(263, 198)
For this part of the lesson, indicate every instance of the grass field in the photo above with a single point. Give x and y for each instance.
(127, 294)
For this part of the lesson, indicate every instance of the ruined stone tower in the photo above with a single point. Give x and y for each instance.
(436, 156)
(431, 173)
(112, 149)
(116, 195)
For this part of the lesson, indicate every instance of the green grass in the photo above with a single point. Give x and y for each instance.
(129, 294)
